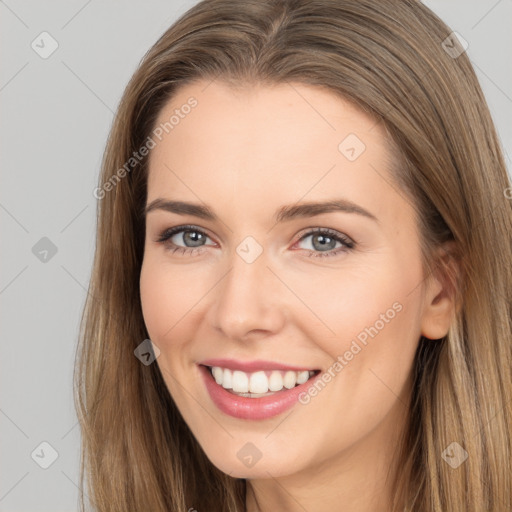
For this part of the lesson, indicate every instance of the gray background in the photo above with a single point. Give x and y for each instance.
(56, 114)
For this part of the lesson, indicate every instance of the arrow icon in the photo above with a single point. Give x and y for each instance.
(454, 45)
(249, 249)
(44, 45)
(249, 454)
(147, 352)
(454, 455)
(44, 455)
(351, 147)
(44, 250)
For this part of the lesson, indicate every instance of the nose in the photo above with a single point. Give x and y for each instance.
(249, 301)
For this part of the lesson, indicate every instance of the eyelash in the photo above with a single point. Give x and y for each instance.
(169, 233)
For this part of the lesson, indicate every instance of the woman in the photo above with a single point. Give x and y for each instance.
(301, 292)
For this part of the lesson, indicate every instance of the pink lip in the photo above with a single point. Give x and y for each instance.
(251, 366)
(252, 408)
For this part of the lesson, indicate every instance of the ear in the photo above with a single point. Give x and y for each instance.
(440, 299)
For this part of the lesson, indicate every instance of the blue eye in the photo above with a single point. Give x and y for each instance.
(321, 238)
(198, 237)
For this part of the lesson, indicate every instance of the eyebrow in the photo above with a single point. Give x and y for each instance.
(285, 213)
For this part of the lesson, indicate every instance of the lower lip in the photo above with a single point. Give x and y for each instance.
(252, 408)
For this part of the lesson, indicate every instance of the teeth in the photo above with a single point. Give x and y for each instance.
(227, 379)
(258, 383)
(302, 377)
(240, 381)
(290, 379)
(217, 374)
(275, 382)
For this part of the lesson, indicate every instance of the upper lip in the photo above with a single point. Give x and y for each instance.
(252, 366)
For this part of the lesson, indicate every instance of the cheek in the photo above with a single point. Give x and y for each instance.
(370, 325)
(165, 302)
(375, 349)
(160, 304)
(168, 295)
(154, 300)
(342, 306)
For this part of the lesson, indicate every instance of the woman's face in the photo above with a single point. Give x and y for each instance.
(269, 291)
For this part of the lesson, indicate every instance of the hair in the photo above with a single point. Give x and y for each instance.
(388, 59)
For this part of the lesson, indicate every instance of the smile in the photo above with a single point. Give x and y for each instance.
(259, 383)
(255, 393)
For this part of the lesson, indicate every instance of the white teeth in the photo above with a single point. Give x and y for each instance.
(240, 382)
(258, 383)
(227, 379)
(302, 377)
(217, 374)
(275, 383)
(290, 379)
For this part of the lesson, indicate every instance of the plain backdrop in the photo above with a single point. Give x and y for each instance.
(56, 115)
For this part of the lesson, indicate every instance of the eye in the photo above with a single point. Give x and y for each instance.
(191, 235)
(323, 242)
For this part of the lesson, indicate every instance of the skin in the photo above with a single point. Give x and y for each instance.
(246, 154)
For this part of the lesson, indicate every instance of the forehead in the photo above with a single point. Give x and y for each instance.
(280, 142)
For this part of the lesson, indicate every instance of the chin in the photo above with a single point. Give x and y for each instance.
(243, 465)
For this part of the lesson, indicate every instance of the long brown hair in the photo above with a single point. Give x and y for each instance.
(396, 61)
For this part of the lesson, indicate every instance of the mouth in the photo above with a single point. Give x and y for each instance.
(259, 383)
(257, 394)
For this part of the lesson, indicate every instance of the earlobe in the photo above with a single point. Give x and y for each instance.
(440, 303)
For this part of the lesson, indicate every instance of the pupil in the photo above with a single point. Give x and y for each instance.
(324, 240)
(195, 238)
